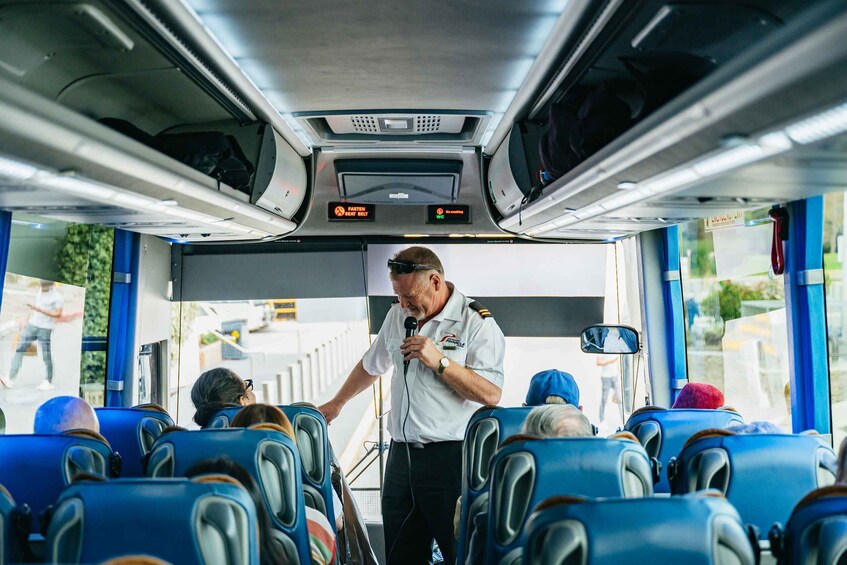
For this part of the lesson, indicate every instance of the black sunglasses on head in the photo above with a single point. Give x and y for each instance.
(401, 267)
(248, 384)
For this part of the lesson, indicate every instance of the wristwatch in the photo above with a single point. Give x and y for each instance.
(442, 365)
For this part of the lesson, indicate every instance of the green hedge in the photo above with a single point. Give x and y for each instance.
(85, 259)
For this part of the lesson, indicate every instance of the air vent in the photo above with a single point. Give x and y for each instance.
(427, 124)
(364, 124)
(388, 126)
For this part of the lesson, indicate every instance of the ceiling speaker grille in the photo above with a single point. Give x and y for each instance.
(364, 124)
(427, 124)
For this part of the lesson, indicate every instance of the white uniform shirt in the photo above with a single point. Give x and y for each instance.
(610, 370)
(437, 412)
(49, 301)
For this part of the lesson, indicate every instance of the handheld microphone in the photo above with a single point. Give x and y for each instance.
(411, 324)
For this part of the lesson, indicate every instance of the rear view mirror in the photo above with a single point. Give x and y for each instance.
(609, 339)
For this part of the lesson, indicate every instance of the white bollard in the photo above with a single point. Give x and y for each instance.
(305, 379)
(323, 367)
(294, 395)
(268, 391)
(280, 387)
(314, 372)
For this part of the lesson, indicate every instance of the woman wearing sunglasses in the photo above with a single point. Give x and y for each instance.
(217, 388)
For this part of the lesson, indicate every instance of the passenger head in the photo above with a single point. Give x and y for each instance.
(269, 551)
(699, 395)
(417, 278)
(757, 427)
(557, 420)
(46, 285)
(64, 413)
(263, 414)
(841, 475)
(552, 387)
(215, 389)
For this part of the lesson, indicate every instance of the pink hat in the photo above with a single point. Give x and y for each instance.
(699, 395)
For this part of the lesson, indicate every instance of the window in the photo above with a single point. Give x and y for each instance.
(55, 315)
(309, 343)
(735, 318)
(835, 277)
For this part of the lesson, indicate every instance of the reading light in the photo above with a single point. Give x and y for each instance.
(16, 170)
(820, 126)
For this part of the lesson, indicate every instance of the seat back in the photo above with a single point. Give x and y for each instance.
(662, 432)
(35, 468)
(9, 547)
(486, 430)
(312, 442)
(695, 529)
(269, 456)
(817, 530)
(762, 475)
(132, 432)
(527, 471)
(204, 520)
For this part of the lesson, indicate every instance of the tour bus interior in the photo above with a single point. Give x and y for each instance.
(575, 162)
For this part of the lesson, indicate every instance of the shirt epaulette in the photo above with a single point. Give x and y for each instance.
(480, 309)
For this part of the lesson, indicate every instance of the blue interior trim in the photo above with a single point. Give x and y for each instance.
(672, 292)
(120, 363)
(806, 313)
(5, 238)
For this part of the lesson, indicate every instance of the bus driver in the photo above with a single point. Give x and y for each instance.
(455, 364)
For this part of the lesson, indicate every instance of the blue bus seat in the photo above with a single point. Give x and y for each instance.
(762, 475)
(486, 430)
(664, 431)
(208, 519)
(816, 532)
(313, 444)
(132, 432)
(11, 550)
(694, 529)
(527, 470)
(35, 468)
(267, 453)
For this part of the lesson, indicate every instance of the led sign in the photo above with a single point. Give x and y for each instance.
(448, 214)
(346, 212)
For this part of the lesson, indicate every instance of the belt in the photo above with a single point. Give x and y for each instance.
(420, 445)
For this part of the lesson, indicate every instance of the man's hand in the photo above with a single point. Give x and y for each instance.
(330, 410)
(422, 348)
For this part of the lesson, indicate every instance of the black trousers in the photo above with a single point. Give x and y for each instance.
(413, 515)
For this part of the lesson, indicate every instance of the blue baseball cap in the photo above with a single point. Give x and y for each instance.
(552, 383)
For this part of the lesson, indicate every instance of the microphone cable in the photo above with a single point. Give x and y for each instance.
(411, 324)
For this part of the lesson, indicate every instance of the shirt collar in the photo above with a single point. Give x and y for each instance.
(453, 309)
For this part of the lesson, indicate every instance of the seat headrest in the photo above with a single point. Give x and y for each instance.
(82, 432)
(518, 437)
(711, 432)
(821, 493)
(644, 409)
(560, 500)
(82, 477)
(153, 407)
(625, 435)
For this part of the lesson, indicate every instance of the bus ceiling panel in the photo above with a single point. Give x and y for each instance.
(799, 69)
(237, 276)
(399, 54)
(53, 149)
(397, 219)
